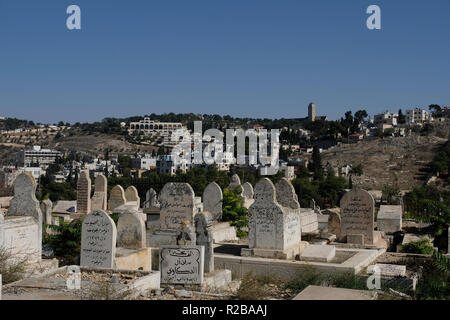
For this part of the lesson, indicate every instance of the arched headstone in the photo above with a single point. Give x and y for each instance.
(84, 193)
(116, 198)
(212, 200)
(177, 205)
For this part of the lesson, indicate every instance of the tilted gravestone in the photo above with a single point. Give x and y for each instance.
(177, 205)
(212, 200)
(23, 235)
(131, 231)
(99, 199)
(181, 264)
(98, 240)
(204, 237)
(357, 215)
(334, 223)
(84, 193)
(274, 229)
(116, 198)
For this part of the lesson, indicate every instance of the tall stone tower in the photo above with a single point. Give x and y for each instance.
(312, 112)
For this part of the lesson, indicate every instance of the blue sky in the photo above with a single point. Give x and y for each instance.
(257, 58)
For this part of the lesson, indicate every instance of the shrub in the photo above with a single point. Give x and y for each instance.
(420, 247)
(252, 288)
(11, 269)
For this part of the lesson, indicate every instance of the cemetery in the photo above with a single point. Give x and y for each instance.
(176, 245)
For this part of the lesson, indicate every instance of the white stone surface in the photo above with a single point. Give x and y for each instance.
(22, 238)
(181, 264)
(131, 195)
(98, 240)
(390, 270)
(318, 253)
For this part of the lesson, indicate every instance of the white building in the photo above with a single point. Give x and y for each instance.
(168, 164)
(386, 118)
(37, 157)
(148, 126)
(418, 116)
(144, 163)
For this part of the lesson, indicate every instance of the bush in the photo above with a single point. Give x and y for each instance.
(66, 243)
(11, 269)
(420, 247)
(252, 288)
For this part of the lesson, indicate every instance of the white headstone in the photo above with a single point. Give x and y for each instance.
(131, 194)
(235, 184)
(181, 264)
(204, 237)
(98, 240)
(151, 199)
(318, 253)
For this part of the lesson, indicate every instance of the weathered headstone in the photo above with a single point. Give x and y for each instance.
(334, 223)
(274, 229)
(181, 264)
(24, 204)
(151, 199)
(98, 240)
(248, 190)
(47, 208)
(131, 231)
(116, 198)
(187, 236)
(177, 205)
(390, 270)
(235, 184)
(84, 193)
(99, 199)
(212, 200)
(389, 218)
(204, 237)
(131, 194)
(357, 215)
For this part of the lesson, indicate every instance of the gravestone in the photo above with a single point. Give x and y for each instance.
(248, 190)
(274, 229)
(212, 200)
(2, 230)
(99, 199)
(98, 240)
(84, 193)
(177, 205)
(116, 198)
(357, 215)
(131, 231)
(187, 236)
(181, 264)
(24, 233)
(131, 195)
(318, 253)
(389, 270)
(151, 199)
(389, 218)
(235, 184)
(334, 223)
(47, 208)
(204, 237)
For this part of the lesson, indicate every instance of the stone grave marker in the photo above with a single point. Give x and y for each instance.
(99, 199)
(98, 240)
(84, 193)
(212, 200)
(181, 264)
(151, 199)
(131, 231)
(204, 237)
(235, 184)
(23, 235)
(131, 194)
(389, 270)
(47, 208)
(116, 198)
(177, 206)
(334, 223)
(357, 215)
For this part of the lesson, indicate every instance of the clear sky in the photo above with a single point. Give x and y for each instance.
(256, 58)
